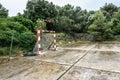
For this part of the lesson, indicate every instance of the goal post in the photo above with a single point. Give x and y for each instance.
(39, 48)
(39, 40)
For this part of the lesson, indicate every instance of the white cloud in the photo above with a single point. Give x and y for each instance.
(16, 6)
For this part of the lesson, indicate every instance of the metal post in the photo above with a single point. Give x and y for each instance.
(54, 40)
(11, 45)
(39, 40)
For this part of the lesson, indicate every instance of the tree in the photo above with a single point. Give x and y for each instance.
(40, 23)
(76, 14)
(63, 24)
(40, 9)
(24, 21)
(108, 31)
(66, 10)
(7, 28)
(109, 10)
(97, 26)
(27, 41)
(3, 12)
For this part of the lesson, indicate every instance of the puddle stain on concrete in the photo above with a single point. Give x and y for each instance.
(78, 73)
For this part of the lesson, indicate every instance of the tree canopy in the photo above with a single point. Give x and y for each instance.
(3, 12)
(40, 9)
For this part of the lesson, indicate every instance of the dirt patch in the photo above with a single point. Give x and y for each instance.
(105, 55)
(3, 60)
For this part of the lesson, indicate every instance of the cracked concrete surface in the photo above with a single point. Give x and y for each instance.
(101, 62)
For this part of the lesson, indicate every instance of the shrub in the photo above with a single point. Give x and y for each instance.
(27, 41)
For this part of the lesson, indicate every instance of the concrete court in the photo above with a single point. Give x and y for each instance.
(92, 62)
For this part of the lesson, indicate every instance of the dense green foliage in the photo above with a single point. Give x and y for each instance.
(3, 12)
(103, 24)
(39, 9)
(21, 30)
(21, 33)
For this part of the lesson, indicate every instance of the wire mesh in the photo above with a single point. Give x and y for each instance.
(46, 42)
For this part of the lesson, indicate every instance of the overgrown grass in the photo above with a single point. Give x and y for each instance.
(68, 41)
(110, 42)
(5, 51)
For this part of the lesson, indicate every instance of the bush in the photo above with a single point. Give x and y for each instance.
(23, 38)
(27, 41)
(23, 21)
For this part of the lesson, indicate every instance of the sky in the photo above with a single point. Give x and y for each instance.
(15, 6)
